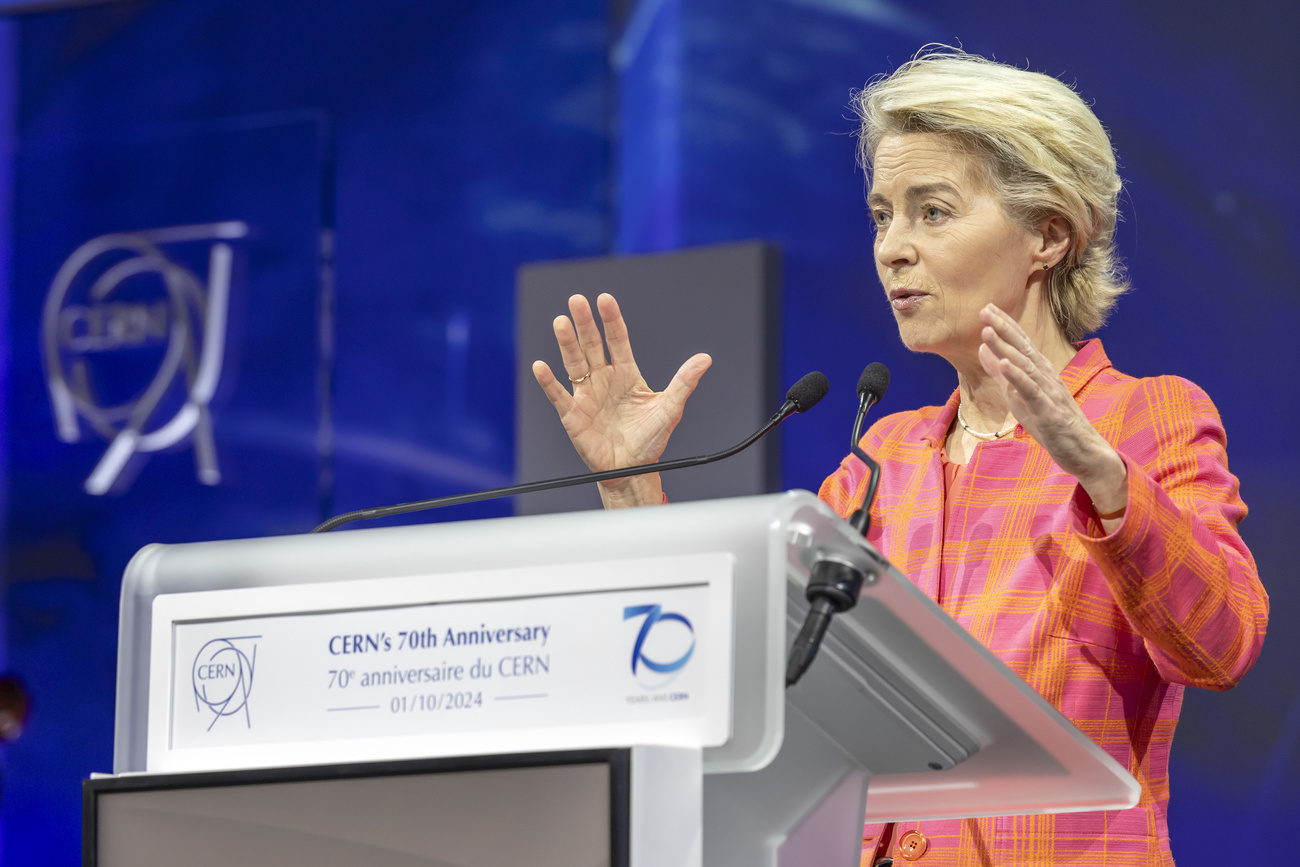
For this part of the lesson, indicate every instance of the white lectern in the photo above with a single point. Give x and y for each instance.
(632, 657)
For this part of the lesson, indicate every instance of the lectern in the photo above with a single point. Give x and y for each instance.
(584, 688)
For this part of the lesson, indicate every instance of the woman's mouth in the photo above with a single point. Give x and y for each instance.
(905, 299)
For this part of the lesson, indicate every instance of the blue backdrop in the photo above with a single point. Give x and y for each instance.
(396, 161)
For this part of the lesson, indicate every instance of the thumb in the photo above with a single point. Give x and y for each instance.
(686, 379)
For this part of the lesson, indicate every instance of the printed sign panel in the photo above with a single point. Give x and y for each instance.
(572, 665)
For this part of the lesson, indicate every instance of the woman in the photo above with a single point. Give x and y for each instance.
(1079, 522)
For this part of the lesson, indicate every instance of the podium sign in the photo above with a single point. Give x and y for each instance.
(530, 658)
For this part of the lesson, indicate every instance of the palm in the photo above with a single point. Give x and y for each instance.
(613, 417)
(614, 425)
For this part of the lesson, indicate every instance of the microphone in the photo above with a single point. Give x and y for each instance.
(801, 397)
(871, 390)
(872, 385)
(834, 585)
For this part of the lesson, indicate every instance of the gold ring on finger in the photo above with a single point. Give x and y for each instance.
(582, 378)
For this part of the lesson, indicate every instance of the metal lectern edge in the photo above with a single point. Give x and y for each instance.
(133, 644)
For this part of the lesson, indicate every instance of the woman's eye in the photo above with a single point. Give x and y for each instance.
(932, 213)
(880, 218)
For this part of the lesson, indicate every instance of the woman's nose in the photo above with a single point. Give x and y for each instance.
(894, 247)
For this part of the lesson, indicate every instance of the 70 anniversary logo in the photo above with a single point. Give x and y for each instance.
(655, 615)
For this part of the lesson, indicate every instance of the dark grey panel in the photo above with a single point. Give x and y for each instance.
(723, 300)
(556, 816)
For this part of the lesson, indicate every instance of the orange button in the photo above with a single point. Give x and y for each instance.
(912, 845)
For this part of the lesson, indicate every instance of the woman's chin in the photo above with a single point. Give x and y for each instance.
(918, 341)
(943, 340)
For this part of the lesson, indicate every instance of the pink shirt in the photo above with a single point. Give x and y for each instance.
(1108, 628)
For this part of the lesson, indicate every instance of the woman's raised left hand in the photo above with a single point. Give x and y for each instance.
(1039, 399)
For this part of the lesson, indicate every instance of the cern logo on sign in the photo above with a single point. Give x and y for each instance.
(222, 676)
(133, 341)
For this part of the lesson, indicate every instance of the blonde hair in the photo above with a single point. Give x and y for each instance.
(1043, 151)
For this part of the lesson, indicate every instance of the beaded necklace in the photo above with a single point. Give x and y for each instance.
(982, 434)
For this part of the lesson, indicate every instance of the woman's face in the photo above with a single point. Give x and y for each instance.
(944, 248)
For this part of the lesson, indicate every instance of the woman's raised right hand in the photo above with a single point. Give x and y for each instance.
(612, 417)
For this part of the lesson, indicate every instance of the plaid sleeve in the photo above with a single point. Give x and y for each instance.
(1176, 565)
(841, 486)
(842, 489)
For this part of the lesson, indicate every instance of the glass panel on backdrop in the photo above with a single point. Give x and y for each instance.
(166, 386)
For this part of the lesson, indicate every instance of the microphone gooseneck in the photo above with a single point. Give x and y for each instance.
(872, 385)
(801, 397)
(833, 586)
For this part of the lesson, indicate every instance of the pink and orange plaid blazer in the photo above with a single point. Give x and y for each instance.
(1108, 628)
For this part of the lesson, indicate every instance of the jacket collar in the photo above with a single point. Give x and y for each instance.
(1089, 361)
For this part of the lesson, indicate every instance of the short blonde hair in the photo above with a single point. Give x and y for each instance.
(1043, 151)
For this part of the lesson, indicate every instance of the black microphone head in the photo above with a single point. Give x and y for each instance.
(805, 393)
(874, 380)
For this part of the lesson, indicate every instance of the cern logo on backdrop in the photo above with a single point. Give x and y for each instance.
(133, 342)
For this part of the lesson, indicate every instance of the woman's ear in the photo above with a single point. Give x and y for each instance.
(1054, 235)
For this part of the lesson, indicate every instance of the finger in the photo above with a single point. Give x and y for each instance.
(1024, 384)
(575, 362)
(1004, 349)
(555, 392)
(593, 345)
(1011, 333)
(1001, 326)
(1006, 339)
(992, 364)
(685, 380)
(620, 348)
(1026, 397)
(1008, 342)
